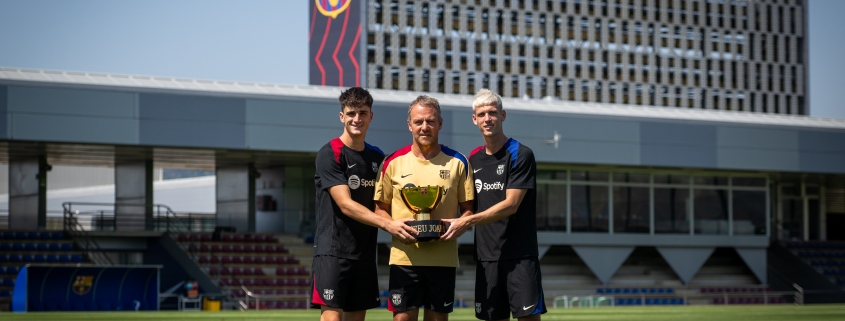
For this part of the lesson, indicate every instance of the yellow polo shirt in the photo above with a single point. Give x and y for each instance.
(448, 169)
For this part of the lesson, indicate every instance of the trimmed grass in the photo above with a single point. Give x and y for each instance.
(688, 313)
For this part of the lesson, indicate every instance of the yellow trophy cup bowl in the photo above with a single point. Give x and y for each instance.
(422, 201)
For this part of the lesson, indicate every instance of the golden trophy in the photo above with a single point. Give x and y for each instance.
(422, 201)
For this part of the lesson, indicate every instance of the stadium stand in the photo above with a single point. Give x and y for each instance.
(827, 258)
(273, 268)
(18, 248)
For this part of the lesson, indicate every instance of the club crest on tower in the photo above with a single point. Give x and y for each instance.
(332, 8)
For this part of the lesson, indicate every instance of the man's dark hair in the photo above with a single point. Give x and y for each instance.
(355, 97)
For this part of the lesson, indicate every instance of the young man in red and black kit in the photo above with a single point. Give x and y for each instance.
(507, 269)
(345, 281)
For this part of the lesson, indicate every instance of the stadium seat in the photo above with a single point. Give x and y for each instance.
(67, 247)
(27, 258)
(17, 247)
(30, 246)
(43, 247)
(76, 258)
(52, 258)
(5, 246)
(32, 235)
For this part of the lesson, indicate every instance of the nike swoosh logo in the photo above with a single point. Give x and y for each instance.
(447, 304)
(403, 176)
(476, 170)
(353, 165)
(528, 307)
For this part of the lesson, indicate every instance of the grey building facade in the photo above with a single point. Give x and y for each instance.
(747, 56)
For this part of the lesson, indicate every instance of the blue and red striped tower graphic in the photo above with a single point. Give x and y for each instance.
(333, 38)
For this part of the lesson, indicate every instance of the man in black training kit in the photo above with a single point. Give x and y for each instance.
(507, 270)
(344, 277)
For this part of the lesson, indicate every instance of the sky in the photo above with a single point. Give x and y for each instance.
(260, 41)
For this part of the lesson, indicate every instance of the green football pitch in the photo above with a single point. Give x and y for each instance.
(692, 313)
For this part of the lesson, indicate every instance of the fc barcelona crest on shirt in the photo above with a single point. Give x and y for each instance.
(444, 174)
(396, 299)
(83, 284)
(328, 294)
(375, 167)
(500, 169)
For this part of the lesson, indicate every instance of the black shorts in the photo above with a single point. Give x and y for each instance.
(414, 287)
(350, 285)
(508, 286)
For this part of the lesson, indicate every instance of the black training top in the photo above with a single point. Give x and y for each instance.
(338, 234)
(515, 236)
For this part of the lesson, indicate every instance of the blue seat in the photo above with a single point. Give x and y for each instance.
(27, 258)
(43, 247)
(30, 246)
(5, 246)
(52, 258)
(57, 236)
(55, 247)
(17, 247)
(44, 235)
(76, 258)
(40, 258)
(14, 258)
(4, 258)
(64, 258)
(67, 247)
(20, 235)
(8, 282)
(32, 235)
(5, 294)
(670, 290)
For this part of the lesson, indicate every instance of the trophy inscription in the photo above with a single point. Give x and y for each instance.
(422, 201)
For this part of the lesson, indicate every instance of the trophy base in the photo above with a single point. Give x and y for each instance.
(430, 230)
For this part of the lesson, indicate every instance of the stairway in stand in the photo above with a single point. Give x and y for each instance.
(276, 268)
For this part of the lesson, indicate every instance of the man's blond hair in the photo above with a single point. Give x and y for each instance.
(486, 97)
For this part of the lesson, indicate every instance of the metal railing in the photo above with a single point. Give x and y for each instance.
(593, 301)
(244, 304)
(81, 218)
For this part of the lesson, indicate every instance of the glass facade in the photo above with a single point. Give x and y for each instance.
(651, 203)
